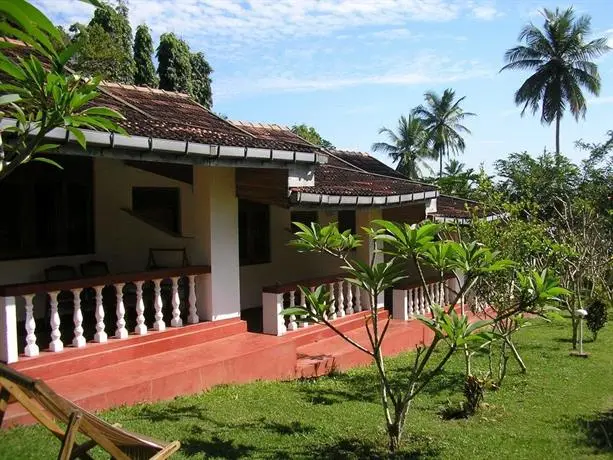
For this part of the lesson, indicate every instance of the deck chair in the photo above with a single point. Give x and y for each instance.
(38, 399)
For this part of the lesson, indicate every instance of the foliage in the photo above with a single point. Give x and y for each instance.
(41, 99)
(181, 70)
(456, 180)
(562, 61)
(544, 180)
(201, 79)
(408, 146)
(597, 316)
(422, 245)
(105, 45)
(174, 64)
(442, 117)
(310, 134)
(144, 73)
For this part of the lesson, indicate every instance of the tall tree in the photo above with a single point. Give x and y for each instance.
(143, 51)
(174, 64)
(408, 146)
(201, 79)
(562, 61)
(310, 134)
(442, 116)
(105, 44)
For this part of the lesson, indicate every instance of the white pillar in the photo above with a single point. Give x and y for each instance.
(159, 324)
(9, 351)
(120, 332)
(56, 336)
(141, 327)
(31, 348)
(176, 320)
(400, 305)
(216, 242)
(100, 336)
(272, 322)
(77, 318)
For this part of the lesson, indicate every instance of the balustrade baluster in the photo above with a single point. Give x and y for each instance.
(31, 348)
(302, 323)
(193, 317)
(349, 310)
(56, 336)
(121, 332)
(410, 303)
(422, 301)
(292, 325)
(357, 300)
(77, 318)
(341, 300)
(141, 327)
(100, 336)
(176, 320)
(332, 313)
(159, 324)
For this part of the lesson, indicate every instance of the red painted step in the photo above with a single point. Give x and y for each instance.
(240, 358)
(318, 332)
(95, 355)
(321, 358)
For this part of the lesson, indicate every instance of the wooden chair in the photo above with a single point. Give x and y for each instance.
(47, 407)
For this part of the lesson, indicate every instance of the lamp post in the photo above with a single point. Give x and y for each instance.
(581, 313)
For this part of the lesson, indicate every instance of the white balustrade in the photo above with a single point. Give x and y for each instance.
(121, 332)
(345, 299)
(141, 327)
(411, 301)
(51, 299)
(77, 318)
(31, 347)
(176, 320)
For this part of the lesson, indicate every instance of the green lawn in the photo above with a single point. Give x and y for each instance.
(559, 410)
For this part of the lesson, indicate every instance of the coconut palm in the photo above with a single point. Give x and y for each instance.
(442, 117)
(453, 168)
(408, 145)
(561, 59)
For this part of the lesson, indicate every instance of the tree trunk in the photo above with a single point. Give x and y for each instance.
(575, 324)
(558, 134)
(393, 432)
(440, 170)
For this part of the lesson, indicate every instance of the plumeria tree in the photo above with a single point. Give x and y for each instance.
(425, 246)
(39, 94)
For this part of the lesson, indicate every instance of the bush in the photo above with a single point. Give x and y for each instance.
(597, 316)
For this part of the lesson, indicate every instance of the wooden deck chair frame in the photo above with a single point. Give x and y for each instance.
(46, 407)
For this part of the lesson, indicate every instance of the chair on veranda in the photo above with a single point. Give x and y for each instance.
(47, 407)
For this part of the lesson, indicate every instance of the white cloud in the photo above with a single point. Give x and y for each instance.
(485, 12)
(600, 100)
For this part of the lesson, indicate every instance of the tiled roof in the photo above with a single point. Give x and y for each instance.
(362, 161)
(175, 116)
(271, 131)
(451, 207)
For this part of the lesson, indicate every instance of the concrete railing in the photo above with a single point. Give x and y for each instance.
(85, 295)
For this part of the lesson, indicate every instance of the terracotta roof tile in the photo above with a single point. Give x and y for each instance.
(175, 116)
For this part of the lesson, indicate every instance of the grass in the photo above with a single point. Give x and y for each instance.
(562, 408)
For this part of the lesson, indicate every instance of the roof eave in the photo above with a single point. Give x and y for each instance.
(106, 140)
(367, 201)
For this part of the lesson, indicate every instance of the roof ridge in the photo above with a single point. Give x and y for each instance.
(143, 88)
(258, 124)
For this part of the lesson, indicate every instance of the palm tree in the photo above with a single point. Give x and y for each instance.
(561, 59)
(442, 117)
(408, 146)
(453, 168)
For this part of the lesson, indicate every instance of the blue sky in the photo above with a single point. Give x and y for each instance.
(349, 67)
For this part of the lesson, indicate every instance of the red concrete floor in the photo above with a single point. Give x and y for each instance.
(182, 361)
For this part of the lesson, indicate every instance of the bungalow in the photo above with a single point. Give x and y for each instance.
(144, 247)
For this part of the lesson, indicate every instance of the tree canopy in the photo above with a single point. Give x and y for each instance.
(562, 60)
(143, 51)
(308, 133)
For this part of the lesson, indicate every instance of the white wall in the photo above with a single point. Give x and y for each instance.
(287, 264)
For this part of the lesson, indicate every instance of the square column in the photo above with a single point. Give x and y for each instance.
(216, 242)
(367, 252)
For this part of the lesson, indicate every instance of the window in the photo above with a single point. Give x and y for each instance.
(253, 232)
(48, 211)
(158, 206)
(346, 221)
(304, 217)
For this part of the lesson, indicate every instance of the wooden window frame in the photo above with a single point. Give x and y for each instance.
(249, 221)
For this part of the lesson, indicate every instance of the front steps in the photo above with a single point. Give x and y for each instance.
(160, 366)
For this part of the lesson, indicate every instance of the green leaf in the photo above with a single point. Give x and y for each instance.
(297, 311)
(47, 161)
(45, 148)
(104, 112)
(79, 136)
(9, 98)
